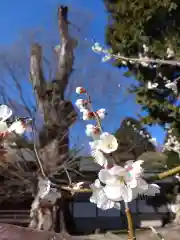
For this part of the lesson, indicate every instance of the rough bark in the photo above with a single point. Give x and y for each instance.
(58, 113)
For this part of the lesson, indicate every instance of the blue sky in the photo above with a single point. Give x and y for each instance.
(21, 19)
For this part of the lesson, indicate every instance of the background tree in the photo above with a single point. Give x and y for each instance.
(138, 29)
(133, 140)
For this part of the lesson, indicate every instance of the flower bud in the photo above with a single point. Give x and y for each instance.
(87, 115)
(101, 113)
(80, 90)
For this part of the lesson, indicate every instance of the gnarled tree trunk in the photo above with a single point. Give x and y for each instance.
(58, 115)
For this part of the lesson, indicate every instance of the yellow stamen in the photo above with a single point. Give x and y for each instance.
(110, 146)
(121, 179)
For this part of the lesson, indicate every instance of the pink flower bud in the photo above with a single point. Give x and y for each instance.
(80, 90)
(82, 104)
(87, 115)
(92, 131)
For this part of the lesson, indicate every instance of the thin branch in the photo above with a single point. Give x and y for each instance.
(146, 60)
(156, 233)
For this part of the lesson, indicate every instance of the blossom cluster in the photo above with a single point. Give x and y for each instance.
(18, 126)
(142, 59)
(172, 143)
(168, 84)
(85, 108)
(142, 133)
(115, 183)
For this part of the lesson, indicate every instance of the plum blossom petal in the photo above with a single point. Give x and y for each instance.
(92, 131)
(18, 127)
(101, 113)
(81, 104)
(118, 192)
(87, 115)
(117, 170)
(99, 157)
(106, 177)
(99, 197)
(134, 168)
(139, 183)
(5, 113)
(80, 90)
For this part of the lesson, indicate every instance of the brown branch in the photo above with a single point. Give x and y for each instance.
(65, 52)
(36, 73)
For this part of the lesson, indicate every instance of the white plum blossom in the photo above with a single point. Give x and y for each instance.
(101, 113)
(98, 156)
(116, 182)
(5, 113)
(172, 86)
(80, 90)
(100, 199)
(93, 131)
(97, 48)
(172, 143)
(170, 52)
(151, 85)
(81, 104)
(18, 127)
(88, 115)
(106, 58)
(145, 48)
(103, 143)
(107, 143)
(134, 168)
(121, 184)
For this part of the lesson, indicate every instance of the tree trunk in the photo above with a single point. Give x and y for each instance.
(42, 216)
(44, 207)
(58, 115)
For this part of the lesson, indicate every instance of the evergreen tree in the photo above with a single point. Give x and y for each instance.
(149, 29)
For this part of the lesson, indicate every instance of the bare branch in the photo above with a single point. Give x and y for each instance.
(65, 52)
(36, 73)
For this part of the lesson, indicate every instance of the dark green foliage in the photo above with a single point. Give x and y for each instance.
(173, 159)
(153, 161)
(156, 24)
